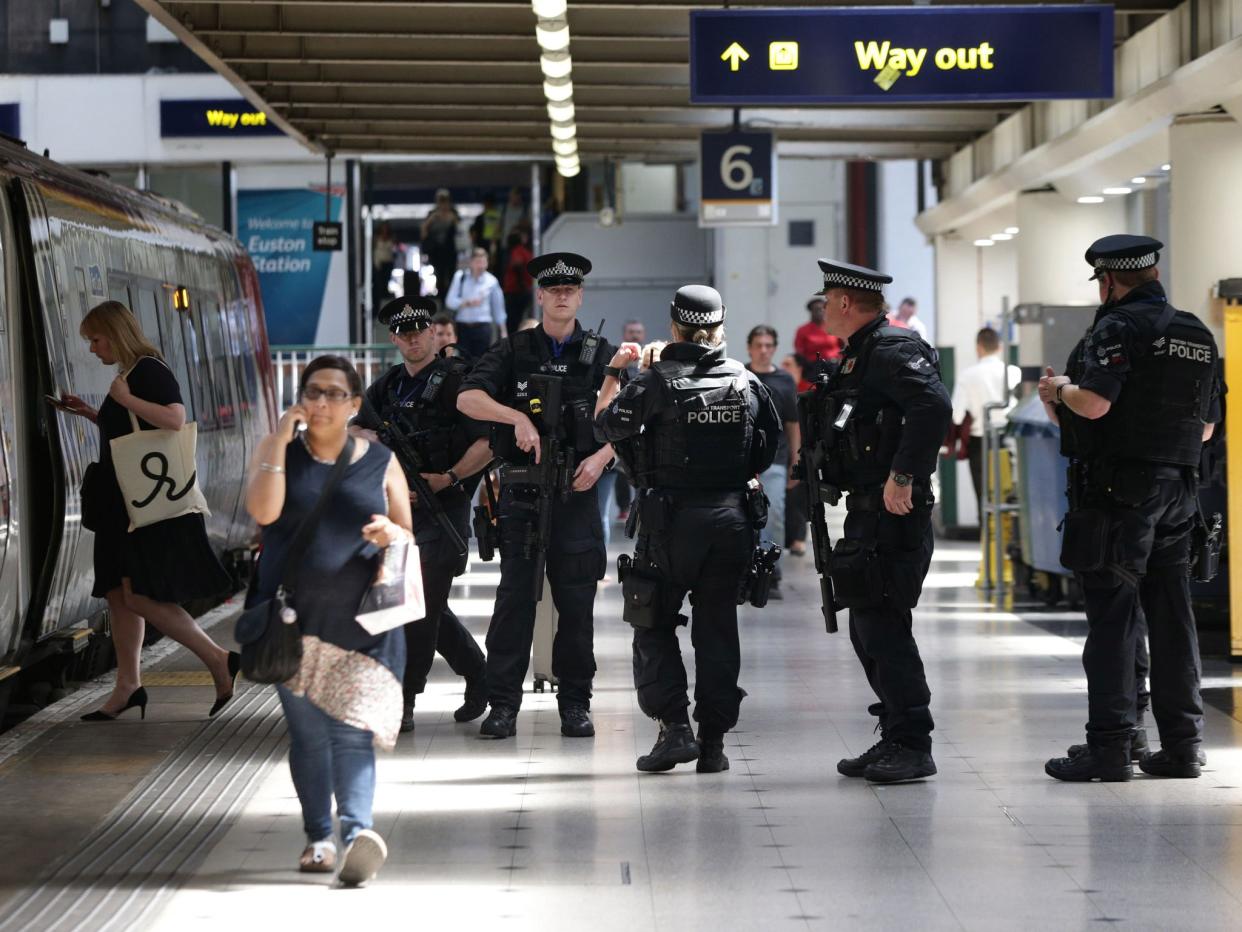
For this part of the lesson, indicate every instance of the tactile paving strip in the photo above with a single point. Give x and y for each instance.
(162, 830)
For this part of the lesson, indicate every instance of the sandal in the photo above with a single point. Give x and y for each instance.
(318, 858)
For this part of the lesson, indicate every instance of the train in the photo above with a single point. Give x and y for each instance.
(68, 241)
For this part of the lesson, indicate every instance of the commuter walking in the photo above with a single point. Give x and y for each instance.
(506, 387)
(979, 385)
(438, 240)
(812, 341)
(908, 316)
(518, 284)
(143, 572)
(881, 416)
(694, 429)
(761, 345)
(1140, 397)
(413, 408)
(478, 304)
(346, 697)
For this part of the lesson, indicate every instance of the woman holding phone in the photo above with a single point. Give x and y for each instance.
(143, 574)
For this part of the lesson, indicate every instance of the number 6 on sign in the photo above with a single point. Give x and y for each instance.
(735, 171)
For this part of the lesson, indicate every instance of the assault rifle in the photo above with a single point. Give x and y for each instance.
(414, 465)
(812, 459)
(551, 476)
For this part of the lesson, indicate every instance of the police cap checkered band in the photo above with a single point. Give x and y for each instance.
(1123, 252)
(559, 268)
(1128, 263)
(845, 275)
(697, 306)
(404, 314)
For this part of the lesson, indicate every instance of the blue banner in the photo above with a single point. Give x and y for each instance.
(897, 55)
(276, 227)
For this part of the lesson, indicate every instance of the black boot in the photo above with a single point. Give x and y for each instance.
(1138, 746)
(475, 703)
(712, 758)
(576, 723)
(502, 723)
(407, 717)
(1106, 764)
(675, 745)
(900, 764)
(855, 766)
(1166, 764)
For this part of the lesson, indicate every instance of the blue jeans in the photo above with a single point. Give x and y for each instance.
(328, 757)
(606, 487)
(773, 482)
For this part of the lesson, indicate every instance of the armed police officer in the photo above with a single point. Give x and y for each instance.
(872, 430)
(1140, 397)
(539, 387)
(413, 409)
(692, 429)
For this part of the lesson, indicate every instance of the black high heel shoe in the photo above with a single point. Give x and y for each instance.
(137, 698)
(234, 669)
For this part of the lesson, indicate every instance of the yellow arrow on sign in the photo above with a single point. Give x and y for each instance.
(734, 55)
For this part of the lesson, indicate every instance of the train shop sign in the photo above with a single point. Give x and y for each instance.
(877, 55)
(213, 118)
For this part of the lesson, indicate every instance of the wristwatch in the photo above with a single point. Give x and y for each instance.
(902, 479)
(1061, 388)
(454, 481)
(612, 371)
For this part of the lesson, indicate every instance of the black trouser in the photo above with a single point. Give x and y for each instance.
(474, 339)
(796, 517)
(441, 630)
(1147, 575)
(624, 491)
(705, 551)
(575, 563)
(882, 633)
(517, 308)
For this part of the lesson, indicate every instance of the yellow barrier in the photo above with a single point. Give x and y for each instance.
(1233, 430)
(1009, 526)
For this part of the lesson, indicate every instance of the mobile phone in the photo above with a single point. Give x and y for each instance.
(57, 403)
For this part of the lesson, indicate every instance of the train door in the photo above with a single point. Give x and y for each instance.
(14, 562)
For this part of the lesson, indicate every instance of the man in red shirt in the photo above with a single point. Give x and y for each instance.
(812, 342)
(517, 281)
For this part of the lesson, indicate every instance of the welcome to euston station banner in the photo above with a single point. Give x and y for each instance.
(878, 55)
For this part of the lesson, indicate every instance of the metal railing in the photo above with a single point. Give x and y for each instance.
(289, 361)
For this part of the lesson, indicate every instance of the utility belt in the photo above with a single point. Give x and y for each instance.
(860, 578)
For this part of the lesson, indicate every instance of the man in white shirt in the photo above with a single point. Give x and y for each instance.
(977, 386)
(908, 314)
(479, 305)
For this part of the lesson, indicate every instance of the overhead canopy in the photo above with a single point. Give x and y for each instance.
(438, 77)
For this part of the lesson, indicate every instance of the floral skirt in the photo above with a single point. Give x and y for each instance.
(352, 688)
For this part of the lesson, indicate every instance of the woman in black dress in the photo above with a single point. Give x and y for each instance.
(144, 573)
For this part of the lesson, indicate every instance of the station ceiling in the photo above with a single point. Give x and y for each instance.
(436, 77)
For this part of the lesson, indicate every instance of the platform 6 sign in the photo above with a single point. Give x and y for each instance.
(870, 55)
(738, 179)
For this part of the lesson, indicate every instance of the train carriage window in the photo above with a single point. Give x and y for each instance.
(199, 358)
(217, 348)
(168, 330)
(83, 297)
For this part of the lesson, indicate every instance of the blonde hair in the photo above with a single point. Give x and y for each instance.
(703, 336)
(114, 321)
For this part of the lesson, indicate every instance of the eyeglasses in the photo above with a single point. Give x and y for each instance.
(335, 395)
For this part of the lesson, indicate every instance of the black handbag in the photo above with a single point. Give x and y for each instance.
(268, 632)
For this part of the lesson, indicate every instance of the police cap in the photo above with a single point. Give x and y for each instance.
(558, 268)
(1122, 252)
(697, 306)
(406, 314)
(845, 275)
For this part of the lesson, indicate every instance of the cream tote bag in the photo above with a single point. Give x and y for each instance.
(158, 474)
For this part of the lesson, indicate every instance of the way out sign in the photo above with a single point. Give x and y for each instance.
(738, 179)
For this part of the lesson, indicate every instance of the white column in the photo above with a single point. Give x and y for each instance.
(1054, 236)
(1206, 202)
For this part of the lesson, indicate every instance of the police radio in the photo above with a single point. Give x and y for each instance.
(590, 344)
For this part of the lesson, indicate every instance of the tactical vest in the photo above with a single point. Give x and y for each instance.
(430, 419)
(1164, 401)
(863, 430)
(703, 438)
(580, 385)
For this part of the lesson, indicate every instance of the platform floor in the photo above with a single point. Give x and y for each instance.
(179, 824)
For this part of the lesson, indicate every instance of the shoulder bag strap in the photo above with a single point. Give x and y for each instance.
(306, 530)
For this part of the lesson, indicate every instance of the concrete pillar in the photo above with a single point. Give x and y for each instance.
(1206, 204)
(1055, 233)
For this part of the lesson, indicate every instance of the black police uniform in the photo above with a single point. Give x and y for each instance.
(575, 549)
(424, 408)
(1133, 488)
(693, 430)
(885, 413)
